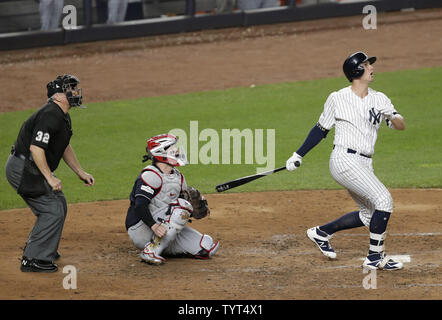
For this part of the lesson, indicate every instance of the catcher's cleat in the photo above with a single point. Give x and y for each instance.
(321, 239)
(148, 255)
(381, 261)
(206, 254)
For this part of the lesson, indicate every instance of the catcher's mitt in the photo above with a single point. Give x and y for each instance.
(198, 202)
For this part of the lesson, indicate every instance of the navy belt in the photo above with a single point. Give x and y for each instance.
(361, 154)
(355, 152)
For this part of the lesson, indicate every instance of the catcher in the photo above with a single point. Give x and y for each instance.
(161, 204)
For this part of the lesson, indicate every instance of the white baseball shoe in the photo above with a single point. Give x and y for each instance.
(148, 255)
(322, 240)
(381, 261)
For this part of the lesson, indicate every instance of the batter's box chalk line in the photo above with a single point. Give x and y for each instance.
(404, 258)
(417, 234)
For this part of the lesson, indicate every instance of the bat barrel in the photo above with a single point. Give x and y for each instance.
(240, 181)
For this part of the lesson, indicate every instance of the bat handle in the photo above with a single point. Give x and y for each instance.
(297, 164)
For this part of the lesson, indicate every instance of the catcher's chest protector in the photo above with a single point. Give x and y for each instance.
(171, 187)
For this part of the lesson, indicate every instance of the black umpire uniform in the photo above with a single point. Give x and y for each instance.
(50, 129)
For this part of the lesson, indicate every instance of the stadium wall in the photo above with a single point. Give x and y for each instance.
(192, 22)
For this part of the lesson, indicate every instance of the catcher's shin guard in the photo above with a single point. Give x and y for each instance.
(150, 256)
(152, 251)
(208, 247)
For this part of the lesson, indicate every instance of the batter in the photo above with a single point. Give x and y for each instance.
(356, 112)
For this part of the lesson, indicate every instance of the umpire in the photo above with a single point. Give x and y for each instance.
(41, 143)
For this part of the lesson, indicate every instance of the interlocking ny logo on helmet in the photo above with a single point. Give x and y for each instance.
(352, 65)
(67, 84)
(163, 149)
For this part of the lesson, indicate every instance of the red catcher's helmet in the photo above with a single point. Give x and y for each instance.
(163, 148)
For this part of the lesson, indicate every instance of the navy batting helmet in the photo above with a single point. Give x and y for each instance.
(352, 65)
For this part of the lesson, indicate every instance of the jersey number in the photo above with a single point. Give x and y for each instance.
(42, 137)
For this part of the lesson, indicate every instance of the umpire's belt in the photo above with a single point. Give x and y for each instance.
(354, 151)
(16, 154)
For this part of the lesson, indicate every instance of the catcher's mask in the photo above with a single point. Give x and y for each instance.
(67, 84)
(163, 148)
(352, 65)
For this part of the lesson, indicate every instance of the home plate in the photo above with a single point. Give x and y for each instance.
(404, 258)
(400, 258)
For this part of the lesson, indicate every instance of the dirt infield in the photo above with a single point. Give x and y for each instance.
(264, 253)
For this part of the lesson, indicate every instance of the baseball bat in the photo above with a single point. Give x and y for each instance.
(243, 180)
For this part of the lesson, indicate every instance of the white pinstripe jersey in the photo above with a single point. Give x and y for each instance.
(356, 120)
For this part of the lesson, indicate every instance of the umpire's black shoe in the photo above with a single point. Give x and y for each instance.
(57, 256)
(34, 265)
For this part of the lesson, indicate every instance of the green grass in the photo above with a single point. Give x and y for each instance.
(109, 138)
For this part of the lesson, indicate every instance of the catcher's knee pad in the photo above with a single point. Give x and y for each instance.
(208, 247)
(180, 214)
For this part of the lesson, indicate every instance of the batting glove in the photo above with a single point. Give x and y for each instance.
(387, 112)
(293, 162)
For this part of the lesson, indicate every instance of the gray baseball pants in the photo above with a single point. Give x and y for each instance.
(50, 210)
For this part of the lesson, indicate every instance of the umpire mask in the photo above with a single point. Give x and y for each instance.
(67, 84)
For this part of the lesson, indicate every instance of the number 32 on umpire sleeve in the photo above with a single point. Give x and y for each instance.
(43, 137)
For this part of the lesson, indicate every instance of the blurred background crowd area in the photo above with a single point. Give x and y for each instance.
(30, 15)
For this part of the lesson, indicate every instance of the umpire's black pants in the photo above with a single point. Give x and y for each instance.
(50, 210)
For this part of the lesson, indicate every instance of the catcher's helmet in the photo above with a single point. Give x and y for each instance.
(66, 84)
(352, 65)
(163, 148)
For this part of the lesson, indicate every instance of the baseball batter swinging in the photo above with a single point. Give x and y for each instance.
(356, 112)
(161, 205)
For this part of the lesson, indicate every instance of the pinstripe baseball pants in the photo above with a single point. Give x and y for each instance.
(355, 173)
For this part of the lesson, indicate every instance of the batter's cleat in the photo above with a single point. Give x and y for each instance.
(148, 255)
(34, 265)
(382, 262)
(321, 239)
